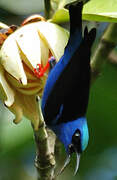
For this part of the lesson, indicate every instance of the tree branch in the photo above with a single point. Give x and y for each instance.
(45, 141)
(47, 8)
(106, 45)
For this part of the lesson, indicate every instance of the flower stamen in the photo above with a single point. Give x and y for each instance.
(39, 70)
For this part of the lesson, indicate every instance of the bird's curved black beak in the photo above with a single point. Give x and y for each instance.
(68, 159)
(77, 163)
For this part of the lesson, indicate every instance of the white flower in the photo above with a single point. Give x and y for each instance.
(20, 54)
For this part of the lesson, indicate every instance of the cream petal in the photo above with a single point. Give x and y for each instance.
(16, 84)
(28, 41)
(6, 93)
(16, 109)
(25, 106)
(54, 36)
(30, 76)
(32, 87)
(44, 52)
(2, 25)
(30, 91)
(10, 59)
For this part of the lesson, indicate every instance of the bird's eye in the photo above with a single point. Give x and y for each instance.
(76, 140)
(77, 134)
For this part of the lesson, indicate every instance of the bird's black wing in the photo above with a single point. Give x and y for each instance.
(69, 95)
(75, 81)
(67, 89)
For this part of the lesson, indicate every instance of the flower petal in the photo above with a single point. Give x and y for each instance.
(11, 60)
(27, 106)
(16, 84)
(30, 91)
(33, 86)
(2, 25)
(44, 52)
(6, 93)
(16, 109)
(29, 42)
(54, 36)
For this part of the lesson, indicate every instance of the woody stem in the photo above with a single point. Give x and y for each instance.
(47, 8)
(45, 141)
(107, 43)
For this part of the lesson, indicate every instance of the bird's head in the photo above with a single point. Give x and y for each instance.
(74, 135)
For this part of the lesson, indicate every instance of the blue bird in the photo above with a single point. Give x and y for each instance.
(66, 93)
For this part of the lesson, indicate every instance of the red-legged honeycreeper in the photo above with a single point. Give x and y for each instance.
(66, 92)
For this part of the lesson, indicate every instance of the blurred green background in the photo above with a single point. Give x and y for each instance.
(99, 161)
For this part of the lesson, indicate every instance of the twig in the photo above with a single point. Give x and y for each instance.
(47, 4)
(106, 45)
(45, 141)
(113, 57)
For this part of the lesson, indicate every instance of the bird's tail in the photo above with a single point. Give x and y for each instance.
(89, 37)
(75, 39)
(75, 12)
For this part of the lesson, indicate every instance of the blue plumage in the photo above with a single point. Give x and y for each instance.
(73, 44)
(70, 128)
(66, 93)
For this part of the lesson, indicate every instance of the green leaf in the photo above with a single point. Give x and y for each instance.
(94, 10)
(60, 16)
(65, 2)
(104, 11)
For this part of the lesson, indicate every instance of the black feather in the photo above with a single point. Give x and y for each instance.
(71, 90)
